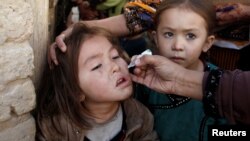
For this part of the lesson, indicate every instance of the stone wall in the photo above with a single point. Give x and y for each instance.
(40, 38)
(17, 94)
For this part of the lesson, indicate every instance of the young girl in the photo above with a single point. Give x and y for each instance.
(88, 96)
(184, 29)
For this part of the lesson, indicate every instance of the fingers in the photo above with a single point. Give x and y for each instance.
(139, 75)
(52, 55)
(60, 42)
(143, 65)
(137, 79)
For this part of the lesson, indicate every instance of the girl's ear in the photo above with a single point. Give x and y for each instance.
(209, 43)
(154, 37)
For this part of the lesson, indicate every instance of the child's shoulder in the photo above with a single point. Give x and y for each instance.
(132, 102)
(134, 107)
(140, 120)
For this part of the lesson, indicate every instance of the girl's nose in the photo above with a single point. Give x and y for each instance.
(178, 44)
(114, 67)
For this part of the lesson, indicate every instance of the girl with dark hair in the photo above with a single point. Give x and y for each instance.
(89, 95)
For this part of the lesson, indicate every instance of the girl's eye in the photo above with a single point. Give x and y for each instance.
(191, 36)
(116, 57)
(96, 67)
(168, 34)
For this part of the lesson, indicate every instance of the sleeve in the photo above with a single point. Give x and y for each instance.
(139, 15)
(231, 96)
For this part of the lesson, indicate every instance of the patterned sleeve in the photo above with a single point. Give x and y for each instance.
(210, 90)
(139, 15)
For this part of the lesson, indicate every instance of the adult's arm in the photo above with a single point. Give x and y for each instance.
(130, 22)
(137, 17)
(115, 24)
(232, 96)
(224, 93)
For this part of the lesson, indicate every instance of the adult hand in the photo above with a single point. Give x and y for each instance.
(161, 74)
(157, 72)
(59, 42)
(227, 13)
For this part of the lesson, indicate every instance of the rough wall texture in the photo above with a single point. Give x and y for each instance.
(17, 94)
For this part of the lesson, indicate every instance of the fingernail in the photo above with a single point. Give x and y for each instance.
(64, 48)
(55, 62)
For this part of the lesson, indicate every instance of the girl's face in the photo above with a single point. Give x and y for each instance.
(181, 36)
(103, 74)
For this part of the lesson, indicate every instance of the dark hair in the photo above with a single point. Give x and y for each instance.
(204, 8)
(59, 92)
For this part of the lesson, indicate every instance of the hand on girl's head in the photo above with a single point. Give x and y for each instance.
(51, 56)
(60, 42)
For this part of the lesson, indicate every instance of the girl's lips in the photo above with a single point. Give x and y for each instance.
(122, 82)
(177, 58)
(180, 58)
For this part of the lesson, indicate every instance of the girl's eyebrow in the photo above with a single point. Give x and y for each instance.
(92, 58)
(97, 55)
(191, 29)
(186, 30)
(168, 28)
